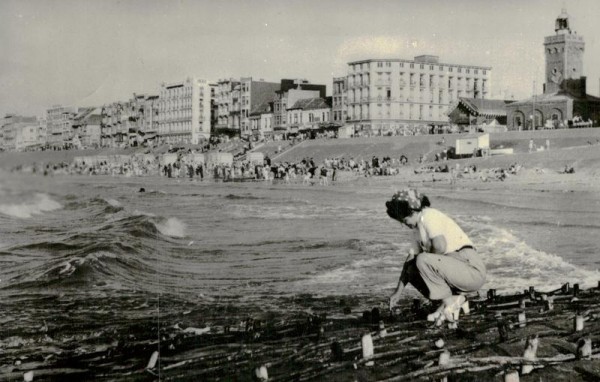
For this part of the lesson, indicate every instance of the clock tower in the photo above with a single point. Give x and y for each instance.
(564, 55)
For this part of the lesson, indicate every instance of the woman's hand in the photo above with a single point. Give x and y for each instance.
(394, 298)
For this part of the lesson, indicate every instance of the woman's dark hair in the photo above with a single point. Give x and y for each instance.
(399, 209)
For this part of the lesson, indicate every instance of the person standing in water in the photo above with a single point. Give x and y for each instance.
(442, 263)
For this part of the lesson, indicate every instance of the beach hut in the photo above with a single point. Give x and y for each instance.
(96, 159)
(346, 131)
(470, 144)
(220, 158)
(121, 159)
(168, 158)
(144, 158)
(194, 158)
(256, 158)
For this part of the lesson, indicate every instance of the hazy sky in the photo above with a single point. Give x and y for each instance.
(86, 53)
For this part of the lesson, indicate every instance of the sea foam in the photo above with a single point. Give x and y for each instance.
(171, 227)
(39, 204)
(513, 265)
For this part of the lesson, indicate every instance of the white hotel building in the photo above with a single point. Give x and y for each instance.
(388, 94)
(184, 113)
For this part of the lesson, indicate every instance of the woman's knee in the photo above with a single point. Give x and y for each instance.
(424, 260)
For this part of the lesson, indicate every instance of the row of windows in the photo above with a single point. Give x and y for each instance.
(364, 81)
(459, 69)
(413, 113)
(312, 117)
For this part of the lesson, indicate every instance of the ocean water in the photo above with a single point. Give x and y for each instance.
(85, 260)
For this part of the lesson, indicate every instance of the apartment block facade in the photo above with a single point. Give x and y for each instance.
(59, 121)
(384, 94)
(261, 120)
(224, 103)
(237, 99)
(18, 132)
(292, 90)
(149, 123)
(339, 101)
(184, 114)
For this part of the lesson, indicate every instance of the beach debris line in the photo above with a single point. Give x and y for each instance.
(321, 340)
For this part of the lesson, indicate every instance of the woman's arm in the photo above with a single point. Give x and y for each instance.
(402, 280)
(438, 245)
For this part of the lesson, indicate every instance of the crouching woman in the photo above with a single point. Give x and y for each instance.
(442, 263)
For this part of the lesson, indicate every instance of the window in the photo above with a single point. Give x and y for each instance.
(422, 66)
(402, 64)
(468, 71)
(380, 64)
(441, 68)
(412, 66)
(484, 72)
(388, 64)
(430, 67)
(450, 69)
(476, 71)
(460, 70)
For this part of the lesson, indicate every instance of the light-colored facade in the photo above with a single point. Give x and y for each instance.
(390, 93)
(87, 127)
(19, 133)
(339, 101)
(26, 136)
(112, 132)
(261, 120)
(42, 132)
(150, 120)
(308, 114)
(237, 99)
(293, 90)
(59, 121)
(185, 111)
(224, 103)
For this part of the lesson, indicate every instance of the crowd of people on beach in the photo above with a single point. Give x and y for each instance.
(306, 172)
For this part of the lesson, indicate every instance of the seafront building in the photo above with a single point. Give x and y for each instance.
(87, 125)
(184, 113)
(237, 99)
(565, 102)
(224, 103)
(309, 115)
(59, 125)
(261, 120)
(18, 133)
(292, 90)
(150, 121)
(389, 94)
(339, 101)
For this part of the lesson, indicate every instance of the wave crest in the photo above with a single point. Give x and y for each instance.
(171, 227)
(38, 205)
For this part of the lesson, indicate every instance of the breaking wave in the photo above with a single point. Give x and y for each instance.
(39, 204)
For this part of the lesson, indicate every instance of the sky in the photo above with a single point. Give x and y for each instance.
(88, 53)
